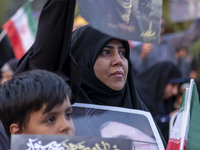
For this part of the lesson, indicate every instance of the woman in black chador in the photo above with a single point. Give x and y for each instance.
(158, 88)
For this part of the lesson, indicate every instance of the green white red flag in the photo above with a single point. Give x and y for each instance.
(185, 134)
(21, 29)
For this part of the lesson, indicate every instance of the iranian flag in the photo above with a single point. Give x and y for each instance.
(186, 131)
(21, 29)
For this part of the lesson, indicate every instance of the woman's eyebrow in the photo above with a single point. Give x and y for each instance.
(109, 46)
(121, 47)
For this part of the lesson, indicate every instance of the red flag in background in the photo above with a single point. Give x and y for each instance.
(21, 29)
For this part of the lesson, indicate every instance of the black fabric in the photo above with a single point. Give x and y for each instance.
(51, 47)
(56, 15)
(151, 84)
(6, 51)
(13, 63)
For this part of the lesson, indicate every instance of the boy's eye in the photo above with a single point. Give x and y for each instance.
(50, 120)
(68, 115)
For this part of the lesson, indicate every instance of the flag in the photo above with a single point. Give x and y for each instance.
(194, 130)
(190, 139)
(21, 29)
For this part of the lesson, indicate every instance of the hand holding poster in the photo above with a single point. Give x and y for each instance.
(127, 19)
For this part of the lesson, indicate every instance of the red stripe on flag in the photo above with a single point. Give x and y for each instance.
(174, 144)
(14, 39)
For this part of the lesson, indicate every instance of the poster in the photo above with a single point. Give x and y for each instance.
(115, 122)
(137, 20)
(61, 142)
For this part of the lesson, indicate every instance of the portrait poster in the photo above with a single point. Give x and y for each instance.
(116, 122)
(62, 142)
(137, 20)
(184, 10)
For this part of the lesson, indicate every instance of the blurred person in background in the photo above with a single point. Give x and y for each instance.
(177, 103)
(187, 63)
(157, 87)
(145, 55)
(8, 69)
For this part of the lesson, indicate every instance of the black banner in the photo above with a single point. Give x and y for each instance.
(61, 142)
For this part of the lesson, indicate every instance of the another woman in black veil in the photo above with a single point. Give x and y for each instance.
(76, 65)
(158, 88)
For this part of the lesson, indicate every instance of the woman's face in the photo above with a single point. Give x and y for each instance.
(111, 66)
(170, 90)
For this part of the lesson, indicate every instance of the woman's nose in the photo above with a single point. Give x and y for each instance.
(117, 60)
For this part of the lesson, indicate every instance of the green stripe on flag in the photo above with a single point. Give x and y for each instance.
(31, 20)
(193, 142)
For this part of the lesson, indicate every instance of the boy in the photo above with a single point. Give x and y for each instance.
(36, 102)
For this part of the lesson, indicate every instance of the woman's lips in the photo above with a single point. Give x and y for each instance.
(117, 74)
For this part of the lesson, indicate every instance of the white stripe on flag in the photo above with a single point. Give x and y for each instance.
(21, 29)
(186, 119)
(20, 20)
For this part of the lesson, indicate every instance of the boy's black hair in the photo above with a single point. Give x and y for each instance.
(27, 92)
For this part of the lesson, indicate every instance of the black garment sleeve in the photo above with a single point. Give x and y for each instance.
(53, 38)
(50, 50)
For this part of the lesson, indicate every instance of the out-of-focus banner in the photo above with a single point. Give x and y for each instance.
(184, 10)
(137, 20)
(64, 142)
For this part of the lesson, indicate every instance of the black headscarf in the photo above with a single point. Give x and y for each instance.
(151, 84)
(86, 44)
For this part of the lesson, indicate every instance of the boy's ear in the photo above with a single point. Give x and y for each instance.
(15, 129)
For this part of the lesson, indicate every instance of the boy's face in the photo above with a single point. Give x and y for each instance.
(57, 121)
